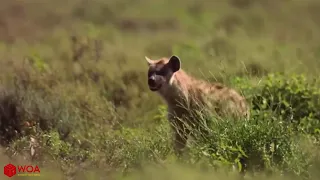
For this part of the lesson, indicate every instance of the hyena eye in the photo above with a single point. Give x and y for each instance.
(162, 72)
(150, 73)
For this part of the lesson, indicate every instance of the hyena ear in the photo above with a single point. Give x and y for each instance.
(175, 63)
(149, 61)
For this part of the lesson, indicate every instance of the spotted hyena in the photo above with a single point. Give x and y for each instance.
(184, 94)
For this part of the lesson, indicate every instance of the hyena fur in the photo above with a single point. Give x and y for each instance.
(184, 94)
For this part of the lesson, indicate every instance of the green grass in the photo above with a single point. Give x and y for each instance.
(73, 76)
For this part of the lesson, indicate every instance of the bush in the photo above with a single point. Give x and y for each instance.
(26, 111)
(260, 144)
(293, 99)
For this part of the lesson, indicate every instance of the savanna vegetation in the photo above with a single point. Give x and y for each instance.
(74, 97)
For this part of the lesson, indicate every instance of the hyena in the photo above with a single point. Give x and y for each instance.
(184, 93)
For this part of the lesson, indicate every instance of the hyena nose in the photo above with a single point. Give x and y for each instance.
(152, 81)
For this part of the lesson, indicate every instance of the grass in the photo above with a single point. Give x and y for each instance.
(73, 77)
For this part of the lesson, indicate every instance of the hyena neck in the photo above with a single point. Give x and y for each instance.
(177, 88)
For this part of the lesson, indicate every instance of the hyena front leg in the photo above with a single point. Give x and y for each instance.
(180, 135)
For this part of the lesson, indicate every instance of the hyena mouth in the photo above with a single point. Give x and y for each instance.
(155, 88)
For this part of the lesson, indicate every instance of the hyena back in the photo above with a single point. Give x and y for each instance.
(184, 94)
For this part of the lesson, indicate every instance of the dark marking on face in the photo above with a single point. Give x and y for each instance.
(160, 72)
(157, 76)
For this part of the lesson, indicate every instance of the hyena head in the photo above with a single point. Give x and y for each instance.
(161, 71)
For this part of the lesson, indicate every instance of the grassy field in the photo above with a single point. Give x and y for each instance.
(73, 87)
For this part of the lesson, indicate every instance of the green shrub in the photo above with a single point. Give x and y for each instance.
(258, 144)
(291, 99)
